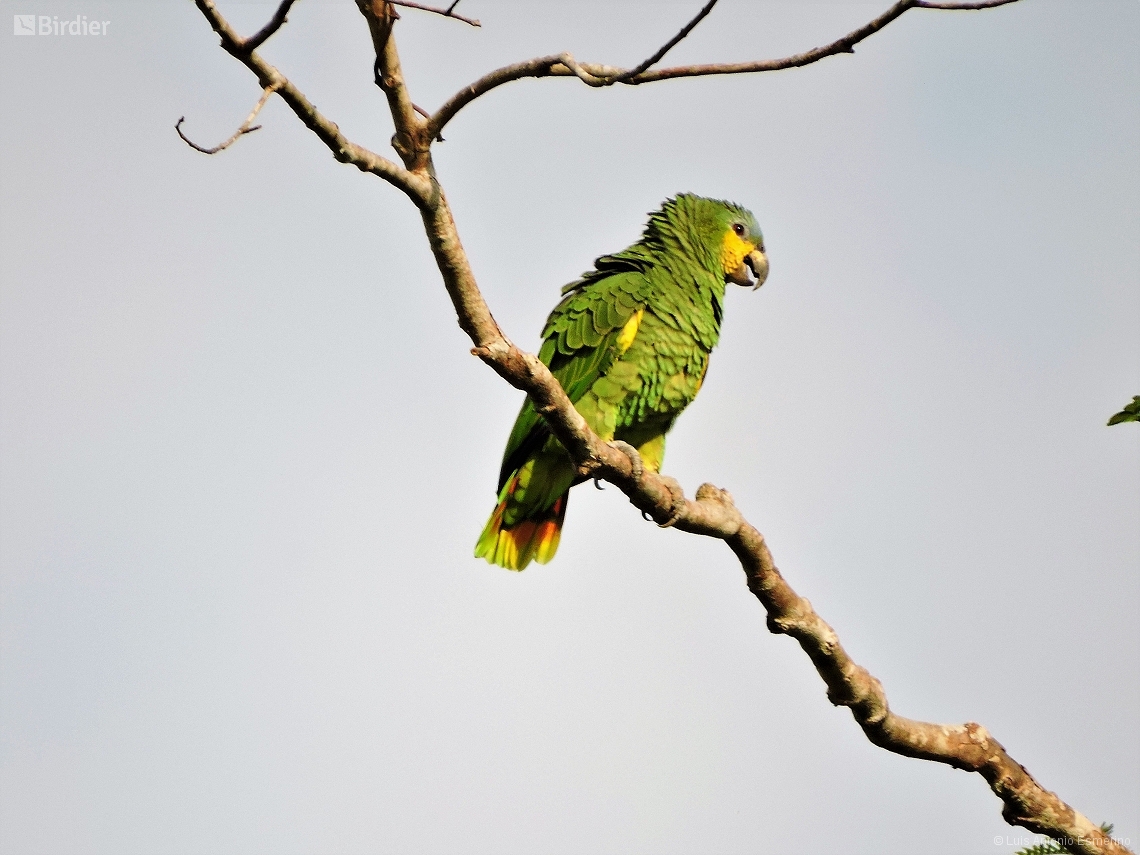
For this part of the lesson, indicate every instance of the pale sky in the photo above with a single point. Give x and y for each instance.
(245, 453)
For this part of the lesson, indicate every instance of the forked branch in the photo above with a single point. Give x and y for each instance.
(417, 187)
(594, 74)
(247, 127)
(449, 12)
(668, 46)
(410, 140)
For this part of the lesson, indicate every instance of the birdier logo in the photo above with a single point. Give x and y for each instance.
(51, 25)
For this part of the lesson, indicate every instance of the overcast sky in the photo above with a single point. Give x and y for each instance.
(245, 453)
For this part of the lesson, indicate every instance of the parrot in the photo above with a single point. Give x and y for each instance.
(629, 343)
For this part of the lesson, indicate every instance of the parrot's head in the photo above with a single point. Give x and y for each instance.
(742, 247)
(723, 236)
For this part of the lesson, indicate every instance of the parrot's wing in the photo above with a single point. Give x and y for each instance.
(583, 336)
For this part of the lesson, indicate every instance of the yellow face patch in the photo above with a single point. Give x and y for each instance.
(629, 331)
(733, 250)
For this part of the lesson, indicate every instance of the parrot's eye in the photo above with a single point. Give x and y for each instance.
(739, 229)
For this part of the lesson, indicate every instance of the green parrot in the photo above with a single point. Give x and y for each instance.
(630, 344)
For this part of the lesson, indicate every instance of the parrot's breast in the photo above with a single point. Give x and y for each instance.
(662, 369)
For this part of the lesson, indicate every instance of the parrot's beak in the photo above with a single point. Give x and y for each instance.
(757, 262)
(753, 270)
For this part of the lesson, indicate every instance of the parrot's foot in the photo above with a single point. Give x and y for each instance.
(675, 489)
(679, 503)
(634, 458)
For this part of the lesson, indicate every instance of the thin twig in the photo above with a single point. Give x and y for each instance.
(247, 127)
(668, 46)
(447, 13)
(258, 39)
(981, 4)
(426, 114)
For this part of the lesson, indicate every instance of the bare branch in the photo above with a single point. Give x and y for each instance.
(538, 67)
(258, 39)
(449, 12)
(567, 60)
(410, 140)
(417, 187)
(247, 127)
(668, 46)
(604, 75)
(982, 4)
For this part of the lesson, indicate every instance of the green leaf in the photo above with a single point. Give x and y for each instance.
(1054, 847)
(1130, 413)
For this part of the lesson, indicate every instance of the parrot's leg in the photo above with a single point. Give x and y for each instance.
(653, 452)
(648, 438)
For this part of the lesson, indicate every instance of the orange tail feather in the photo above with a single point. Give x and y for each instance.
(514, 546)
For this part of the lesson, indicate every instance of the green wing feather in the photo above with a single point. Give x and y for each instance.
(580, 340)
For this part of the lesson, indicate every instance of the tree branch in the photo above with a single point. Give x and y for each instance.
(247, 127)
(712, 512)
(449, 12)
(410, 140)
(417, 187)
(668, 46)
(538, 67)
(606, 75)
(982, 4)
(258, 39)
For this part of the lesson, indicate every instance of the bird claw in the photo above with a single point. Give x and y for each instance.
(679, 503)
(634, 457)
(638, 469)
(598, 484)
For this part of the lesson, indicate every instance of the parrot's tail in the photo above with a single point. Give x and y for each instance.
(516, 544)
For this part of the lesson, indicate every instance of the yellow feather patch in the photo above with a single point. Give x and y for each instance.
(733, 250)
(629, 331)
(653, 452)
(701, 379)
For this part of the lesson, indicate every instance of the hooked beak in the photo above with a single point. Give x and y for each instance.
(756, 263)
